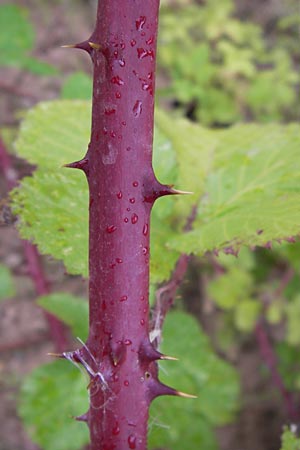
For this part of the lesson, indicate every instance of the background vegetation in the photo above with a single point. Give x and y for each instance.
(222, 67)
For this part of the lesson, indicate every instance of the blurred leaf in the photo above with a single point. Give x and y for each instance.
(70, 309)
(246, 314)
(51, 397)
(17, 39)
(77, 86)
(292, 310)
(231, 288)
(7, 288)
(188, 422)
(289, 440)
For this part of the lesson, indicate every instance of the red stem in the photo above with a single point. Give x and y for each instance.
(56, 328)
(270, 360)
(118, 356)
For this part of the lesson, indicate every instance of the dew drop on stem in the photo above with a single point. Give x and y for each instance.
(134, 219)
(132, 441)
(111, 228)
(137, 108)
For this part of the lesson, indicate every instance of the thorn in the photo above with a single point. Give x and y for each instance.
(168, 358)
(95, 46)
(148, 353)
(68, 46)
(158, 389)
(184, 395)
(84, 45)
(56, 355)
(179, 192)
(82, 418)
(82, 165)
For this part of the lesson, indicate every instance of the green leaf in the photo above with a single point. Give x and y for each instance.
(51, 397)
(289, 440)
(230, 288)
(7, 288)
(77, 86)
(53, 204)
(292, 310)
(188, 422)
(245, 181)
(246, 314)
(250, 194)
(17, 39)
(71, 310)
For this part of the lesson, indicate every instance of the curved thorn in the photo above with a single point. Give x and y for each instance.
(56, 355)
(68, 46)
(184, 395)
(179, 192)
(95, 46)
(168, 358)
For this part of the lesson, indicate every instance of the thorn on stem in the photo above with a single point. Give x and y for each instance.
(95, 46)
(157, 389)
(84, 45)
(82, 165)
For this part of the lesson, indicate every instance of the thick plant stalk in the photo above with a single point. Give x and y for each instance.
(118, 354)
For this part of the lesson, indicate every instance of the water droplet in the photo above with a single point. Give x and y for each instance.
(122, 62)
(150, 75)
(145, 229)
(119, 195)
(150, 40)
(104, 130)
(122, 45)
(127, 342)
(126, 383)
(119, 260)
(118, 95)
(142, 322)
(111, 228)
(133, 42)
(123, 298)
(145, 250)
(117, 80)
(109, 111)
(142, 298)
(128, 149)
(140, 22)
(132, 200)
(142, 53)
(115, 377)
(132, 441)
(126, 220)
(116, 429)
(123, 123)
(135, 184)
(137, 109)
(128, 209)
(103, 305)
(134, 219)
